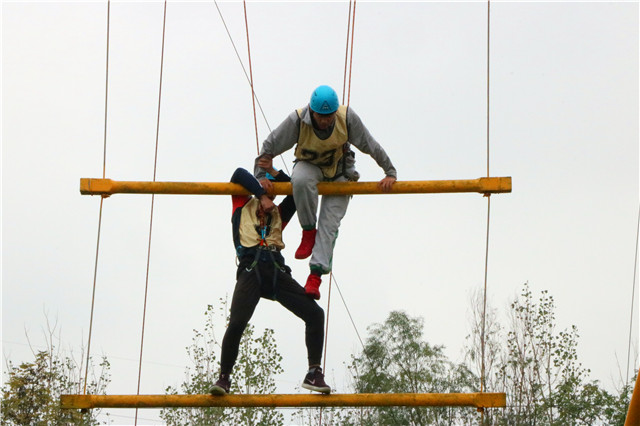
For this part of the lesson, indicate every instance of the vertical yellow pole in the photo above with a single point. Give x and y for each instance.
(633, 415)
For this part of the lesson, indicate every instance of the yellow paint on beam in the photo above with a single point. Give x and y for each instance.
(633, 413)
(479, 400)
(486, 185)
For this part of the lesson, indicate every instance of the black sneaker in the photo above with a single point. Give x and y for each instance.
(315, 381)
(222, 386)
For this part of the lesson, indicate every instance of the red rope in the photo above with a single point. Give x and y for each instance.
(346, 54)
(353, 24)
(326, 334)
(253, 93)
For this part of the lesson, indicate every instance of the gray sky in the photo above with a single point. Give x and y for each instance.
(564, 126)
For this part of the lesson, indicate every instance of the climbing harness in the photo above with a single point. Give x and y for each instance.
(264, 253)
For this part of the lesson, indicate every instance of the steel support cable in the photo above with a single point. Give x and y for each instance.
(344, 302)
(224, 23)
(93, 297)
(486, 260)
(484, 299)
(104, 167)
(253, 94)
(155, 167)
(633, 295)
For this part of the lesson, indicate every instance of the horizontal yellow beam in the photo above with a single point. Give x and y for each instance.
(283, 400)
(486, 185)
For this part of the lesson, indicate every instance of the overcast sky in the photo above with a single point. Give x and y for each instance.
(563, 124)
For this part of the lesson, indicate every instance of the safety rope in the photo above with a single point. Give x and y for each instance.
(332, 277)
(104, 167)
(346, 86)
(488, 70)
(346, 54)
(349, 54)
(353, 24)
(633, 296)
(155, 167)
(326, 323)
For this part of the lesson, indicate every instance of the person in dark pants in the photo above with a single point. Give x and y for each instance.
(262, 273)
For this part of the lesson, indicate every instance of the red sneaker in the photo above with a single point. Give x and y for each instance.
(306, 245)
(312, 288)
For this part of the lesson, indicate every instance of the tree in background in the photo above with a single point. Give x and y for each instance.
(533, 362)
(615, 411)
(31, 393)
(492, 347)
(396, 359)
(537, 367)
(254, 373)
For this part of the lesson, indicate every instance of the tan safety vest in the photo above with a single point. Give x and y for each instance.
(323, 153)
(249, 229)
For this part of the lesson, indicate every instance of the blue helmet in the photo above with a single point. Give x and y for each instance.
(324, 100)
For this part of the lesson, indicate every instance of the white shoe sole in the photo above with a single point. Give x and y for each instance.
(217, 390)
(325, 390)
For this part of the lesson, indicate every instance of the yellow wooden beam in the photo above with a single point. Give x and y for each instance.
(479, 400)
(486, 185)
(633, 413)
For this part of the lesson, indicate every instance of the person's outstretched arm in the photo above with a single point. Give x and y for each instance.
(247, 180)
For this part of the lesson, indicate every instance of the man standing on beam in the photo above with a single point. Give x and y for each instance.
(322, 132)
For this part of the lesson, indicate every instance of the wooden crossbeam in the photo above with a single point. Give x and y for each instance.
(485, 185)
(633, 412)
(479, 400)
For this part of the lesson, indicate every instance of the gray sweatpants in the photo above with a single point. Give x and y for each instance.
(304, 179)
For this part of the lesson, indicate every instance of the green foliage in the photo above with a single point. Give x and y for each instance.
(256, 367)
(531, 361)
(538, 368)
(395, 359)
(615, 410)
(31, 395)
